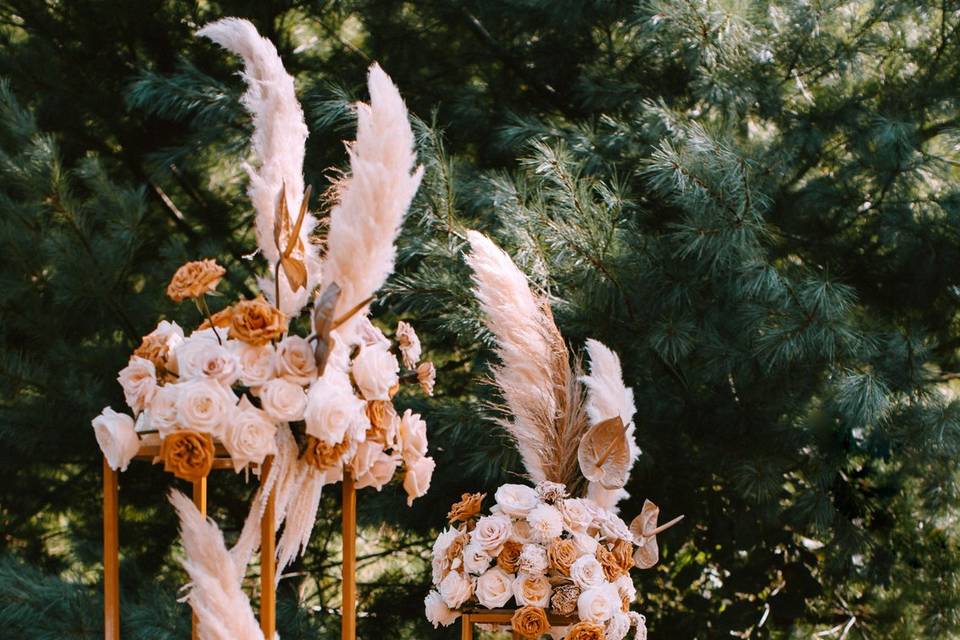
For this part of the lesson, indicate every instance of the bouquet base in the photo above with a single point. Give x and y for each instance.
(470, 617)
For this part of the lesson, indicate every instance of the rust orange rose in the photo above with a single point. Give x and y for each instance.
(155, 349)
(194, 279)
(256, 321)
(468, 507)
(530, 622)
(586, 631)
(220, 319)
(562, 554)
(509, 556)
(623, 553)
(187, 454)
(322, 455)
(456, 547)
(611, 568)
(383, 418)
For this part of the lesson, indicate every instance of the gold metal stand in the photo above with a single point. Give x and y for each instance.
(470, 617)
(348, 627)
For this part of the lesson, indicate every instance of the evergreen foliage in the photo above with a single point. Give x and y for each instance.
(753, 203)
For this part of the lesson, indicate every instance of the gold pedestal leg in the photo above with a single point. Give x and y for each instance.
(200, 501)
(268, 561)
(466, 627)
(111, 554)
(348, 629)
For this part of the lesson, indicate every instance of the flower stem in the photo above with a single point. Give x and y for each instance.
(205, 310)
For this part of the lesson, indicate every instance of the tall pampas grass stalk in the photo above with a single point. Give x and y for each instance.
(541, 392)
(279, 136)
(608, 396)
(372, 201)
(222, 608)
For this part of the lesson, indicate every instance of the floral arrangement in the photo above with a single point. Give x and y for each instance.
(244, 382)
(557, 548)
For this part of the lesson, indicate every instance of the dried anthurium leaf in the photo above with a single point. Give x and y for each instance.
(644, 529)
(323, 323)
(604, 454)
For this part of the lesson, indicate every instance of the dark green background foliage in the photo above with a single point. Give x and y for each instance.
(754, 203)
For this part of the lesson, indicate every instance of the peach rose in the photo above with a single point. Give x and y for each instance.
(413, 436)
(492, 532)
(139, 382)
(283, 400)
(375, 371)
(416, 482)
(117, 438)
(296, 360)
(437, 611)
(494, 588)
(380, 467)
(194, 279)
(455, 589)
(256, 362)
(532, 590)
(250, 436)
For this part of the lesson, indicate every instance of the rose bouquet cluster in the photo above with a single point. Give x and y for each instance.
(241, 375)
(540, 551)
(556, 551)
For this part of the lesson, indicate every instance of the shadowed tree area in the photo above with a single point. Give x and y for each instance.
(754, 203)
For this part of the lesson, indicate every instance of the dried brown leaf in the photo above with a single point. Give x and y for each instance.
(604, 454)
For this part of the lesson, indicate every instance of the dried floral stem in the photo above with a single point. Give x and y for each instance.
(205, 310)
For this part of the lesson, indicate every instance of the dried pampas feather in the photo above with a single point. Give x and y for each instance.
(373, 199)
(535, 378)
(609, 397)
(301, 514)
(222, 608)
(279, 136)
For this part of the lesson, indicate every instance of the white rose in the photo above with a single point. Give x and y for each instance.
(440, 546)
(163, 409)
(204, 405)
(409, 344)
(618, 627)
(626, 588)
(475, 559)
(586, 545)
(546, 523)
(296, 360)
(117, 438)
(283, 400)
(381, 469)
(438, 613)
(375, 370)
(455, 589)
(139, 382)
(587, 573)
(532, 591)
(533, 560)
(250, 435)
(495, 588)
(416, 482)
(598, 604)
(614, 528)
(577, 517)
(256, 362)
(492, 532)
(203, 357)
(516, 499)
(413, 436)
(332, 410)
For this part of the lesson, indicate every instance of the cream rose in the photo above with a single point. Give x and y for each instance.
(614, 528)
(163, 409)
(440, 546)
(117, 438)
(413, 436)
(139, 382)
(533, 560)
(532, 591)
(475, 559)
(249, 436)
(618, 626)
(494, 588)
(587, 573)
(598, 604)
(455, 589)
(492, 532)
(375, 371)
(546, 523)
(256, 362)
(204, 405)
(284, 401)
(516, 499)
(409, 344)
(201, 356)
(577, 516)
(586, 545)
(381, 469)
(416, 482)
(332, 410)
(437, 611)
(296, 360)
